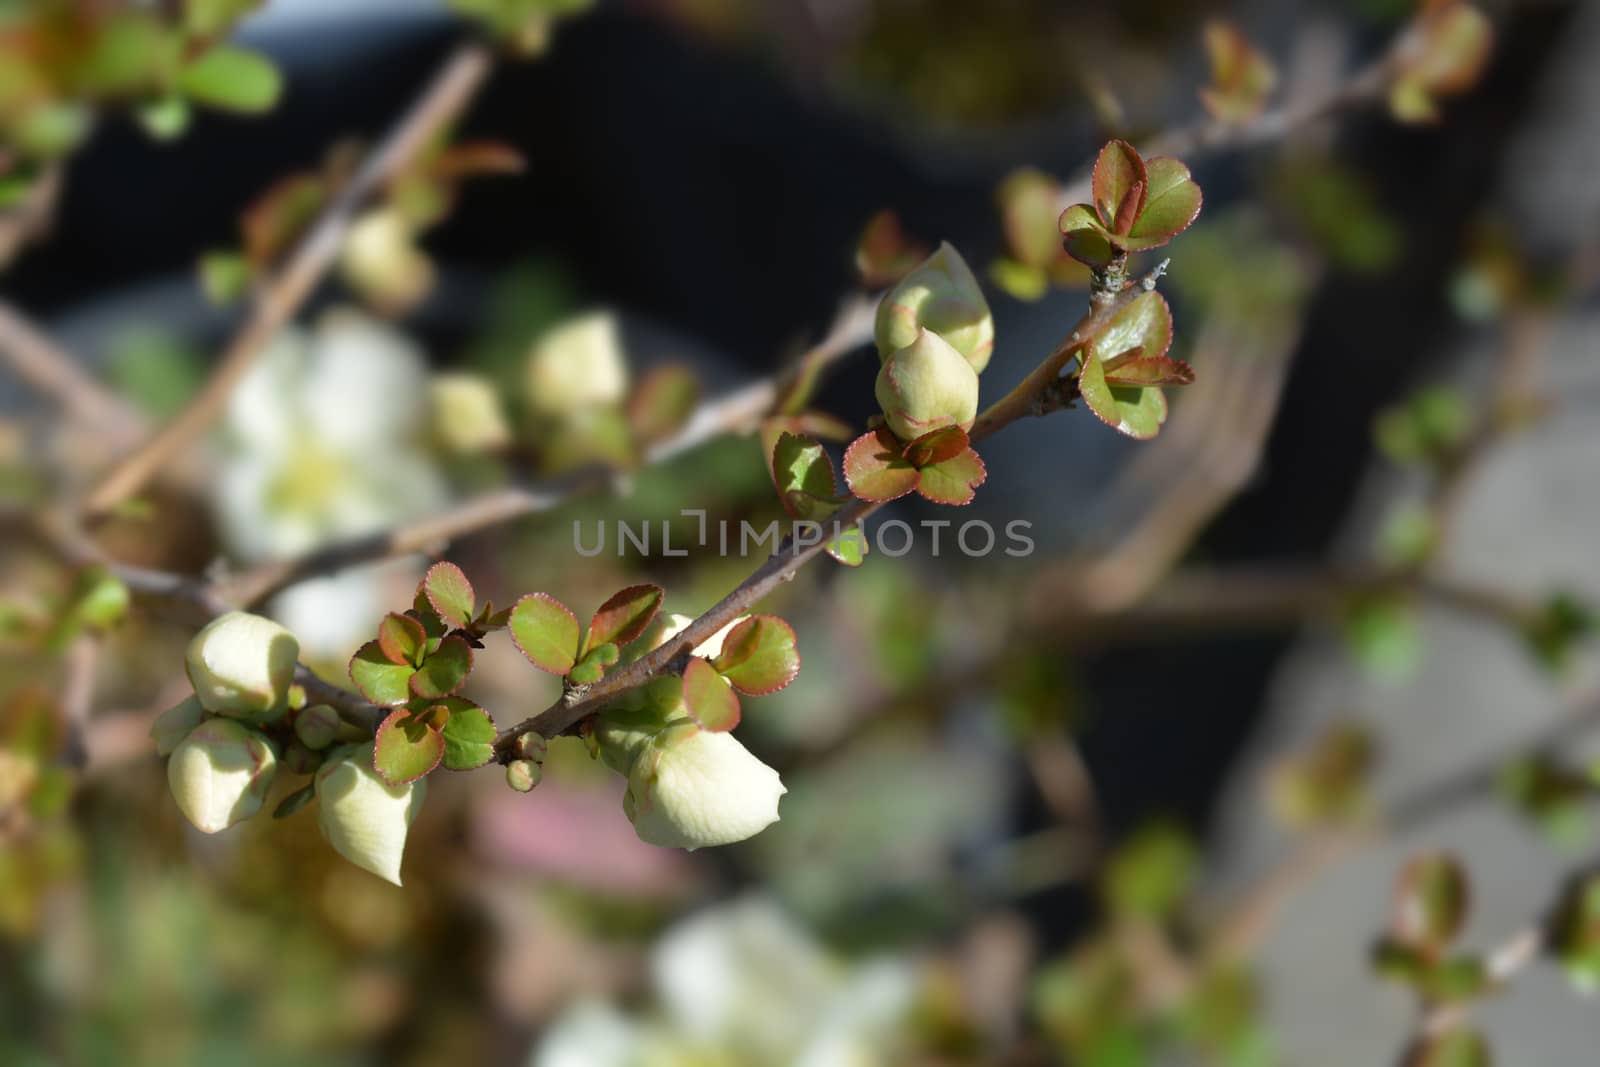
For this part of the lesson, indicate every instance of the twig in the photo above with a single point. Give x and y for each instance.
(440, 104)
(50, 369)
(1501, 965)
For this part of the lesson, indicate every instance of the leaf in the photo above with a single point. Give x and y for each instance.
(936, 447)
(294, 802)
(953, 481)
(804, 476)
(1140, 330)
(1085, 239)
(1430, 903)
(1577, 934)
(1172, 205)
(849, 547)
(468, 737)
(1120, 186)
(663, 402)
(624, 617)
(406, 748)
(1141, 371)
(1135, 411)
(1018, 279)
(761, 655)
(592, 667)
(1454, 1048)
(1028, 213)
(1241, 76)
(232, 78)
(708, 699)
(885, 254)
(445, 670)
(874, 468)
(402, 639)
(546, 631)
(449, 592)
(1150, 875)
(380, 680)
(225, 276)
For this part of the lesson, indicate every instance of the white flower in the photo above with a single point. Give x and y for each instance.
(363, 817)
(220, 774)
(578, 365)
(242, 665)
(690, 788)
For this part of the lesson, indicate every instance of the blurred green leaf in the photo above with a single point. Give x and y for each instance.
(406, 747)
(1150, 874)
(232, 78)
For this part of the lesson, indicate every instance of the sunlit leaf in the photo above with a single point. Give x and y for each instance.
(546, 631)
(709, 700)
(761, 655)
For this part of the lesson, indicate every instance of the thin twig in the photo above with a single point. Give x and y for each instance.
(440, 104)
(50, 369)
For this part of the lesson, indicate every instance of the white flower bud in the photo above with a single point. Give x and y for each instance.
(941, 295)
(466, 413)
(927, 386)
(242, 665)
(220, 774)
(364, 818)
(577, 366)
(174, 725)
(690, 788)
(380, 258)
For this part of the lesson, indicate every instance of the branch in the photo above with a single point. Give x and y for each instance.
(52, 370)
(440, 104)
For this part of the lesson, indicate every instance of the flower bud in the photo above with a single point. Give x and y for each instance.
(690, 788)
(364, 818)
(523, 774)
(380, 258)
(927, 386)
(577, 366)
(220, 774)
(241, 665)
(466, 414)
(317, 727)
(174, 725)
(943, 296)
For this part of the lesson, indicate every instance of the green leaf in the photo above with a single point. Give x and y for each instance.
(804, 477)
(1028, 213)
(1577, 935)
(380, 680)
(1554, 632)
(450, 594)
(874, 468)
(592, 667)
(224, 276)
(294, 802)
(953, 481)
(1454, 1048)
(1430, 903)
(621, 619)
(662, 402)
(1120, 186)
(546, 632)
(1084, 238)
(708, 698)
(402, 639)
(1140, 330)
(1018, 280)
(884, 253)
(1383, 635)
(1171, 206)
(100, 599)
(406, 747)
(849, 547)
(232, 78)
(1241, 76)
(468, 737)
(164, 118)
(1132, 410)
(1150, 875)
(445, 669)
(759, 656)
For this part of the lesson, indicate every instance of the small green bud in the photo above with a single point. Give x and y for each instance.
(364, 818)
(174, 725)
(531, 746)
(241, 665)
(317, 727)
(690, 789)
(220, 774)
(467, 416)
(927, 386)
(943, 296)
(578, 366)
(523, 774)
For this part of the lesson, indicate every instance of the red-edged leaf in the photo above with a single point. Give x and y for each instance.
(448, 590)
(1171, 204)
(759, 656)
(402, 639)
(546, 631)
(1431, 901)
(662, 402)
(1141, 371)
(1132, 410)
(1145, 325)
(954, 480)
(885, 254)
(1120, 185)
(874, 468)
(380, 679)
(406, 747)
(469, 735)
(804, 476)
(1084, 237)
(625, 616)
(709, 700)
(444, 671)
(1241, 76)
(592, 667)
(936, 447)
(1027, 209)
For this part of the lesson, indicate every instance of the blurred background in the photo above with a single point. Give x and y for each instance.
(1138, 798)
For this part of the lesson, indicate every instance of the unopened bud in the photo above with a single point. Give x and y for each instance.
(927, 386)
(220, 774)
(689, 789)
(363, 817)
(317, 727)
(466, 414)
(942, 296)
(523, 774)
(380, 258)
(174, 725)
(577, 366)
(241, 665)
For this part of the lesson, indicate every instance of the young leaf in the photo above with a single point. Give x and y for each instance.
(849, 547)
(1141, 330)
(885, 254)
(1135, 411)
(1577, 934)
(804, 477)
(380, 679)
(592, 667)
(936, 447)
(759, 656)
(1084, 237)
(1027, 211)
(1453, 1048)
(1430, 903)
(624, 617)
(709, 700)
(444, 671)
(235, 79)
(546, 632)
(468, 737)
(402, 639)
(952, 481)
(1141, 371)
(1172, 204)
(406, 748)
(874, 468)
(663, 402)
(449, 592)
(1120, 186)
(1241, 76)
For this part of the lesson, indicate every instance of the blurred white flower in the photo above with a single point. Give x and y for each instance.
(326, 434)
